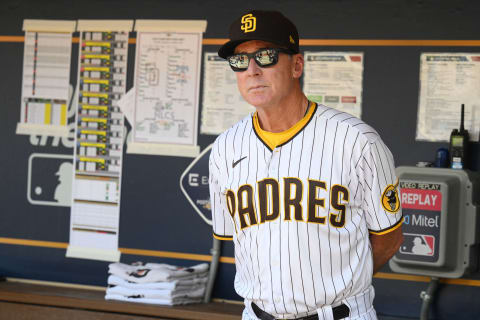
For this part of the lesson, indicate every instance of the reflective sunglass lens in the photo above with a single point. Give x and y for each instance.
(266, 57)
(263, 58)
(239, 61)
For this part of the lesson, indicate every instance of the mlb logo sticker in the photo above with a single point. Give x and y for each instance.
(49, 179)
(418, 244)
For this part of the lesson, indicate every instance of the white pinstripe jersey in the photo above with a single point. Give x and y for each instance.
(300, 215)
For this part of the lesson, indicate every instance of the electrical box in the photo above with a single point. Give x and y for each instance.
(441, 209)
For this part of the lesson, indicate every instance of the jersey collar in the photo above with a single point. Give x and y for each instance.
(276, 139)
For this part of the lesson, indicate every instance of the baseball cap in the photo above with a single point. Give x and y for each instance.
(271, 26)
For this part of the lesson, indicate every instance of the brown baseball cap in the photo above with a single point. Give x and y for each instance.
(271, 26)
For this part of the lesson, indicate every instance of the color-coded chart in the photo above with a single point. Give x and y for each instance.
(99, 137)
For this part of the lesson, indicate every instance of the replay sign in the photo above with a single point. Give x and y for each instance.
(194, 185)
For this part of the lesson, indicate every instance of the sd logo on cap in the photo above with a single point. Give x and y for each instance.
(269, 26)
(249, 23)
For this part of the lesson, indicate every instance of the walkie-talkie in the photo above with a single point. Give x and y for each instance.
(459, 144)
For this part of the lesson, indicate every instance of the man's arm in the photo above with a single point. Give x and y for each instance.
(385, 246)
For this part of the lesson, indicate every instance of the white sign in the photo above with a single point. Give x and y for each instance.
(223, 105)
(335, 80)
(448, 80)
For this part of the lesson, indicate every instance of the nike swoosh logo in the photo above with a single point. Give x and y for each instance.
(234, 163)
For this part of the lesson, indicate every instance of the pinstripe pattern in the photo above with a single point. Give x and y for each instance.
(291, 268)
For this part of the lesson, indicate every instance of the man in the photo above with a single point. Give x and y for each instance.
(299, 187)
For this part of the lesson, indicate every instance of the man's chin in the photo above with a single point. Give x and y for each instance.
(258, 100)
(259, 104)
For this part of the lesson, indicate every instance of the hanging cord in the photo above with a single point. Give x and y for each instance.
(213, 270)
(427, 298)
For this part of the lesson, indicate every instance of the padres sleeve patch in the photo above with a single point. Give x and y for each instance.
(390, 200)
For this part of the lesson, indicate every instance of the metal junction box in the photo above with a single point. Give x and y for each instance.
(441, 209)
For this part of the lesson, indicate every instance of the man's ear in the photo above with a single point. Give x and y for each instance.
(298, 64)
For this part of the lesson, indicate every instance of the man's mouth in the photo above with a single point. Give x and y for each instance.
(255, 88)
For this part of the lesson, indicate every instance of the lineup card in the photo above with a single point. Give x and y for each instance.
(99, 137)
(166, 87)
(166, 83)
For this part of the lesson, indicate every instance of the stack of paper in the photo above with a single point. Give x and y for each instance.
(157, 283)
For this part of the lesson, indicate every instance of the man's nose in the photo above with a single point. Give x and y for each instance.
(253, 67)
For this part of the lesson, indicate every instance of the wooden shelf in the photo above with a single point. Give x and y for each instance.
(28, 298)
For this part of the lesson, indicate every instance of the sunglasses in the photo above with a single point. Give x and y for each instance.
(266, 57)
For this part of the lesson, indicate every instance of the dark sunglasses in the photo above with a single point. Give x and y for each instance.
(266, 57)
